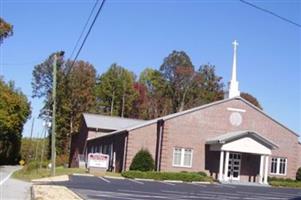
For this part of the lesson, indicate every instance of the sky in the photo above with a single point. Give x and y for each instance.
(141, 33)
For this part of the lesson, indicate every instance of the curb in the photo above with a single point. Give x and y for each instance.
(143, 179)
(78, 174)
(201, 182)
(173, 181)
(32, 195)
(115, 177)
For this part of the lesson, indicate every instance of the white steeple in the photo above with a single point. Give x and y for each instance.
(233, 84)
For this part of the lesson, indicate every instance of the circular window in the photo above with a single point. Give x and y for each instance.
(235, 119)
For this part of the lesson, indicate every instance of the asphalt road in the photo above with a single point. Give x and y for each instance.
(12, 189)
(105, 188)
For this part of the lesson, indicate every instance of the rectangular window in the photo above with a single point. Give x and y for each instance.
(182, 157)
(274, 166)
(177, 156)
(278, 166)
(282, 166)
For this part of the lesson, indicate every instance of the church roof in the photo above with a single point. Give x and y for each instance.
(109, 122)
(228, 137)
(174, 115)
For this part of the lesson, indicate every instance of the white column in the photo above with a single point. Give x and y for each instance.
(221, 166)
(261, 168)
(265, 179)
(226, 166)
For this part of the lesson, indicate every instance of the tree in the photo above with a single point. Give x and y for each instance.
(251, 99)
(178, 71)
(6, 30)
(115, 92)
(75, 94)
(158, 101)
(14, 112)
(31, 149)
(207, 87)
(140, 103)
(80, 84)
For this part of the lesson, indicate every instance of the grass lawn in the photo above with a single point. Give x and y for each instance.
(28, 175)
(113, 174)
(285, 183)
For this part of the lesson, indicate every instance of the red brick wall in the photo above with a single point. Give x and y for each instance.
(141, 138)
(192, 130)
(77, 145)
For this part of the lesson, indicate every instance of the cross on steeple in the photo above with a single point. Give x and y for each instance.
(235, 44)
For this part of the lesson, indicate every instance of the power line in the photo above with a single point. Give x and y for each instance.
(84, 28)
(271, 13)
(90, 28)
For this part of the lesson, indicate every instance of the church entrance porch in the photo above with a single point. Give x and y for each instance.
(239, 157)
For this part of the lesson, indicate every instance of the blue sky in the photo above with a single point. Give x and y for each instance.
(139, 34)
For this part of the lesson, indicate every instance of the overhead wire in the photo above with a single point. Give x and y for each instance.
(271, 13)
(87, 35)
(84, 28)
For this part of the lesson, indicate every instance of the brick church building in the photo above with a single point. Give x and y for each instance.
(230, 140)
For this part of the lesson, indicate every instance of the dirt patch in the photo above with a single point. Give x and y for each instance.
(53, 192)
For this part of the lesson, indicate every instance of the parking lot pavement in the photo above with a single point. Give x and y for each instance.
(105, 188)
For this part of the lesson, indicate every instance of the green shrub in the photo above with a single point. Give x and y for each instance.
(202, 173)
(284, 182)
(35, 165)
(182, 176)
(143, 161)
(298, 174)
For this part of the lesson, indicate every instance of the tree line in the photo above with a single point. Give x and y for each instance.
(14, 111)
(177, 85)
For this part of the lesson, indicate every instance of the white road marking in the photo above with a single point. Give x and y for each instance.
(136, 181)
(104, 179)
(6, 178)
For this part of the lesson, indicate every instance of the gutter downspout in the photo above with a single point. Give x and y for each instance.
(160, 128)
(125, 150)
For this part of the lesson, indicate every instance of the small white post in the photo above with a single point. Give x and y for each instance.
(226, 166)
(221, 166)
(261, 168)
(265, 180)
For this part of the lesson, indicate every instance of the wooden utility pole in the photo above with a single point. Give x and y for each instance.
(29, 157)
(53, 149)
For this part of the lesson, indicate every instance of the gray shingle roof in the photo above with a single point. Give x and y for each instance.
(227, 137)
(108, 122)
(170, 116)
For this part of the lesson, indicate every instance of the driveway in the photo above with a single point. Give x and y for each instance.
(12, 189)
(107, 188)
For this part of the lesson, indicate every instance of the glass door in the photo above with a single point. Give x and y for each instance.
(234, 166)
